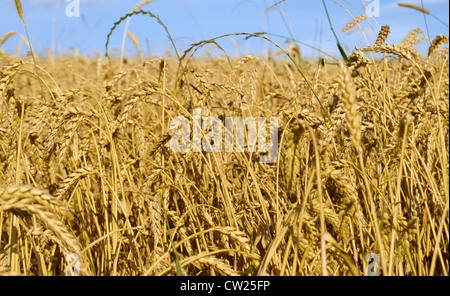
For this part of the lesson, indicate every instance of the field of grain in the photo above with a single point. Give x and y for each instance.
(88, 179)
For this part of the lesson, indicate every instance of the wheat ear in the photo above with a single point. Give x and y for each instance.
(27, 200)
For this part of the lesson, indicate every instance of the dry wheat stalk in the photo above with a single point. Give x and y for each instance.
(351, 108)
(27, 200)
(292, 157)
(437, 43)
(34, 195)
(350, 203)
(66, 186)
(219, 265)
(19, 8)
(408, 41)
(241, 63)
(354, 22)
(92, 113)
(6, 37)
(407, 53)
(415, 7)
(136, 44)
(7, 73)
(141, 4)
(239, 236)
(6, 271)
(382, 36)
(357, 59)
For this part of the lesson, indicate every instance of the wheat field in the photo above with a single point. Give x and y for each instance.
(86, 168)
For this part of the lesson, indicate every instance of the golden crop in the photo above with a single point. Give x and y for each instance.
(363, 166)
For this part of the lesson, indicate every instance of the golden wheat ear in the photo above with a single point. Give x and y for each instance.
(354, 22)
(6, 37)
(382, 35)
(27, 201)
(437, 43)
(19, 9)
(415, 7)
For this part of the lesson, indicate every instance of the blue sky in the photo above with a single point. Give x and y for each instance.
(190, 21)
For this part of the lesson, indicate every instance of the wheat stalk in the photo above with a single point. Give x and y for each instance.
(354, 22)
(136, 44)
(407, 53)
(19, 9)
(28, 200)
(141, 4)
(6, 37)
(382, 35)
(219, 265)
(415, 7)
(93, 134)
(437, 43)
(408, 41)
(351, 108)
